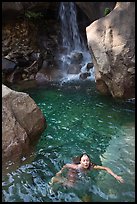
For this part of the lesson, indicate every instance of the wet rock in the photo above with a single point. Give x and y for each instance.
(74, 69)
(8, 66)
(84, 75)
(76, 58)
(89, 66)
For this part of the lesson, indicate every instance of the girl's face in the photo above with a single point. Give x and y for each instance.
(85, 161)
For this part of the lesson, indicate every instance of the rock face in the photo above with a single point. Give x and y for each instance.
(12, 9)
(28, 39)
(22, 124)
(95, 10)
(111, 41)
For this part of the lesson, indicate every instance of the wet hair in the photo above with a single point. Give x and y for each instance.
(77, 159)
(84, 154)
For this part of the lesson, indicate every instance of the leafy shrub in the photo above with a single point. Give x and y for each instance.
(33, 15)
(107, 11)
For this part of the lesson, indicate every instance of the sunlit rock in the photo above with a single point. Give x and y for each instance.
(22, 124)
(111, 43)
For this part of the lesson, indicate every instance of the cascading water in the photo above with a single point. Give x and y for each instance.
(75, 55)
(71, 38)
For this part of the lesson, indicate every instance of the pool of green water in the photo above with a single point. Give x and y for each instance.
(79, 120)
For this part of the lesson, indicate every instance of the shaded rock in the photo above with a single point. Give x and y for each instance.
(89, 66)
(74, 69)
(95, 10)
(13, 9)
(84, 75)
(76, 58)
(8, 66)
(48, 74)
(41, 78)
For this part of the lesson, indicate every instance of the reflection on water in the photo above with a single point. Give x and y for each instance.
(79, 120)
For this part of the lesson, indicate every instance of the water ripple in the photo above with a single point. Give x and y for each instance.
(78, 121)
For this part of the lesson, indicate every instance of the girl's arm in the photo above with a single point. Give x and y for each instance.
(60, 172)
(66, 166)
(56, 178)
(119, 178)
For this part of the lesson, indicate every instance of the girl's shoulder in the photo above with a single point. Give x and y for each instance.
(73, 166)
(92, 165)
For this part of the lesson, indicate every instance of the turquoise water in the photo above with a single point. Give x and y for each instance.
(79, 120)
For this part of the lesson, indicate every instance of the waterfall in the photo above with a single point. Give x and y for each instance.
(75, 56)
(71, 38)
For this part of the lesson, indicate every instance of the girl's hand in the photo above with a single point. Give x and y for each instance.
(120, 179)
(58, 174)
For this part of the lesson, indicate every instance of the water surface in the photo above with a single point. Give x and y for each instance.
(79, 120)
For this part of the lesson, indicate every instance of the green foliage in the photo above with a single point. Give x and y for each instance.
(107, 11)
(33, 15)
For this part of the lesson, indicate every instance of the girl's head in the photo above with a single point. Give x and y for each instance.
(85, 161)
